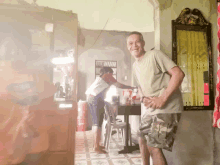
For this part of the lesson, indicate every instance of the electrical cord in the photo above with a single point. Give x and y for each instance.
(102, 28)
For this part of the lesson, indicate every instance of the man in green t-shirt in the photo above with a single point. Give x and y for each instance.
(159, 79)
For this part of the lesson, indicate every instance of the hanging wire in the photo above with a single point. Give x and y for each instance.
(102, 28)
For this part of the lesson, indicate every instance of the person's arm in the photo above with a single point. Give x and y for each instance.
(119, 85)
(177, 76)
(108, 78)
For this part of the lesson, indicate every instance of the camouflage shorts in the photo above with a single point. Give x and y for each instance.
(159, 130)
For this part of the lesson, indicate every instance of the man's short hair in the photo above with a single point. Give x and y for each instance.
(104, 70)
(136, 32)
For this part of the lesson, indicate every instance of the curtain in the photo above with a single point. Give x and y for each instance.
(192, 58)
(216, 114)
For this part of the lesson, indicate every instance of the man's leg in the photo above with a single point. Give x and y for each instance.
(162, 136)
(145, 154)
(157, 156)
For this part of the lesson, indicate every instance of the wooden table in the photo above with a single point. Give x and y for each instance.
(127, 110)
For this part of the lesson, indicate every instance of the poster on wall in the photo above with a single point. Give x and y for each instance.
(105, 63)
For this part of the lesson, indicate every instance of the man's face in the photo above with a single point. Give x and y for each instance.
(135, 45)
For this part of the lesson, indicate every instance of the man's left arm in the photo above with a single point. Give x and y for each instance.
(177, 76)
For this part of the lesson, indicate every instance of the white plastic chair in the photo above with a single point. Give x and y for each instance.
(111, 124)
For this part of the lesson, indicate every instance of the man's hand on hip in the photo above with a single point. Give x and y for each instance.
(154, 102)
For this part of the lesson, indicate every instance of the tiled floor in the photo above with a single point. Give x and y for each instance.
(85, 155)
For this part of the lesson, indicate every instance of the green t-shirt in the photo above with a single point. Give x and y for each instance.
(152, 77)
